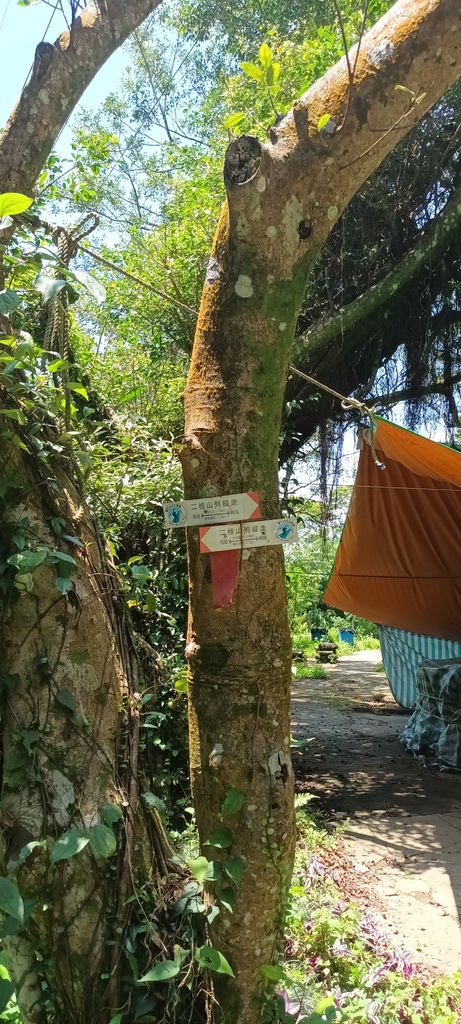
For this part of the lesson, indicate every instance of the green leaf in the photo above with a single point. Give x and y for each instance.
(95, 288)
(11, 901)
(9, 299)
(214, 871)
(69, 844)
(235, 867)
(270, 75)
(233, 802)
(58, 364)
(73, 385)
(323, 1005)
(233, 120)
(227, 898)
(155, 802)
(14, 414)
(213, 960)
(67, 699)
(212, 913)
(27, 561)
(252, 71)
(102, 840)
(322, 121)
(63, 584)
(117, 1019)
(222, 838)
(265, 55)
(12, 203)
(161, 972)
(6, 992)
(181, 683)
(110, 813)
(198, 868)
(49, 287)
(271, 972)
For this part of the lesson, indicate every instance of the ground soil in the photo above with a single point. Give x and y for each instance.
(401, 854)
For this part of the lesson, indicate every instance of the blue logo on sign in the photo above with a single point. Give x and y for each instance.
(284, 531)
(175, 515)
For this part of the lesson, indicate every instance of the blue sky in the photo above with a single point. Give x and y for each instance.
(21, 28)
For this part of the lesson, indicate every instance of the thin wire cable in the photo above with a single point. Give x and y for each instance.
(4, 15)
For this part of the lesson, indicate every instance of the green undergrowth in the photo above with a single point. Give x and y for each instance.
(335, 951)
(309, 672)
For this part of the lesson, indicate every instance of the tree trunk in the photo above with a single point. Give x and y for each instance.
(283, 198)
(70, 747)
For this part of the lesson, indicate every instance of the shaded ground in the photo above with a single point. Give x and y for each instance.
(402, 851)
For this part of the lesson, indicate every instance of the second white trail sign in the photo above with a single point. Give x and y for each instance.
(248, 535)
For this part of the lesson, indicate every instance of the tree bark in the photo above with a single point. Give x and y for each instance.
(70, 746)
(282, 200)
(59, 77)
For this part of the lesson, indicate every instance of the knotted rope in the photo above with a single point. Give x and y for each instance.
(56, 336)
(347, 403)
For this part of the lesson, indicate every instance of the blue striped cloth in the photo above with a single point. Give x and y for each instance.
(403, 652)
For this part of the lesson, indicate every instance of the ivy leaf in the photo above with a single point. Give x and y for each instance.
(6, 992)
(110, 813)
(213, 960)
(95, 288)
(198, 868)
(11, 901)
(222, 838)
(252, 71)
(154, 802)
(63, 584)
(161, 972)
(214, 871)
(68, 845)
(233, 802)
(102, 840)
(227, 898)
(12, 203)
(67, 699)
(235, 867)
(9, 299)
(27, 561)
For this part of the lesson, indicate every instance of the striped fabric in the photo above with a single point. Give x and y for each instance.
(403, 652)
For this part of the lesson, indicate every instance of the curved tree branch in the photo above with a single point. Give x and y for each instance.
(432, 241)
(60, 75)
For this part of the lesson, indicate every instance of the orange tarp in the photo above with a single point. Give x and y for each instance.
(399, 560)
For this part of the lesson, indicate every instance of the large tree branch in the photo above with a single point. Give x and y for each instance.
(411, 394)
(312, 345)
(60, 75)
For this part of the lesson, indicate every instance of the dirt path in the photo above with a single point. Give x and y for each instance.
(403, 833)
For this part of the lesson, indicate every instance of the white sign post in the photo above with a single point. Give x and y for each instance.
(229, 508)
(248, 535)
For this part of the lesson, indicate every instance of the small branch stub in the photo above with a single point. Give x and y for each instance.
(243, 158)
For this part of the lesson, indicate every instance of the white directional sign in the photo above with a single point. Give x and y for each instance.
(248, 535)
(229, 508)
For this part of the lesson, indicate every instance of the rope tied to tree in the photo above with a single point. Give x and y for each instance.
(347, 403)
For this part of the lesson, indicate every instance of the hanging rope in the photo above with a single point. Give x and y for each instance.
(347, 404)
(56, 336)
